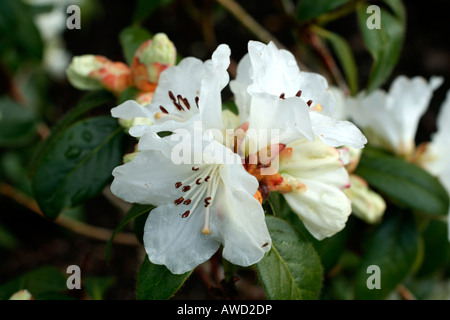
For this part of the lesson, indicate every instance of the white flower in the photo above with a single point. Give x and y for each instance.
(187, 92)
(390, 119)
(267, 75)
(314, 177)
(436, 154)
(198, 206)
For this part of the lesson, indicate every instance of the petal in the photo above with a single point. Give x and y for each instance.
(177, 242)
(323, 207)
(130, 109)
(336, 133)
(238, 220)
(240, 85)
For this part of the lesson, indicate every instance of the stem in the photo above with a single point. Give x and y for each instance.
(73, 225)
(405, 293)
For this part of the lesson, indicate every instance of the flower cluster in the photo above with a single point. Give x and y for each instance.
(209, 177)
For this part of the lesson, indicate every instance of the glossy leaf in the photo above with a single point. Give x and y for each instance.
(17, 124)
(309, 9)
(130, 39)
(88, 102)
(384, 44)
(345, 56)
(156, 282)
(403, 182)
(291, 270)
(393, 248)
(78, 165)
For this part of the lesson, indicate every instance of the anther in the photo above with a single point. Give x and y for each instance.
(196, 101)
(178, 184)
(163, 109)
(309, 103)
(186, 214)
(207, 178)
(282, 96)
(194, 169)
(187, 201)
(178, 201)
(207, 203)
(198, 181)
(186, 188)
(299, 93)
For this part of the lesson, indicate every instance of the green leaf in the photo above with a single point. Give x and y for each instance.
(17, 124)
(291, 270)
(145, 8)
(436, 248)
(384, 44)
(78, 165)
(310, 9)
(344, 54)
(393, 247)
(131, 38)
(91, 100)
(135, 211)
(156, 282)
(41, 283)
(403, 182)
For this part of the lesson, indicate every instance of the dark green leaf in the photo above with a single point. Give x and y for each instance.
(436, 248)
(78, 165)
(136, 211)
(17, 124)
(88, 102)
(393, 248)
(384, 44)
(131, 38)
(291, 270)
(403, 182)
(156, 282)
(310, 9)
(345, 56)
(145, 8)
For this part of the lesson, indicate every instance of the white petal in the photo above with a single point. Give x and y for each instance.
(238, 220)
(130, 109)
(177, 242)
(239, 87)
(149, 178)
(323, 207)
(336, 133)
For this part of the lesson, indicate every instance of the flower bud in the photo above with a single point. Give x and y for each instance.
(366, 204)
(21, 295)
(90, 72)
(151, 58)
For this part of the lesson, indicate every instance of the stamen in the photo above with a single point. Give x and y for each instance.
(299, 93)
(194, 169)
(178, 201)
(198, 181)
(207, 203)
(163, 109)
(186, 214)
(196, 101)
(309, 103)
(207, 178)
(187, 201)
(186, 188)
(282, 96)
(178, 184)
(168, 116)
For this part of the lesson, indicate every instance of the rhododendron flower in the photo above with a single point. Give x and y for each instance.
(390, 119)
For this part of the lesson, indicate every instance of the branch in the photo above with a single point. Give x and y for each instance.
(66, 222)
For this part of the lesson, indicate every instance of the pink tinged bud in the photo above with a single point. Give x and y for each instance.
(144, 98)
(90, 72)
(152, 58)
(21, 295)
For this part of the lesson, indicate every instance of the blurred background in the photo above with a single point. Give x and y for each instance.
(35, 49)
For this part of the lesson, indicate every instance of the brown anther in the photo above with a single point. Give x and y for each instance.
(187, 201)
(265, 245)
(186, 188)
(299, 93)
(196, 101)
(282, 96)
(163, 109)
(186, 214)
(198, 181)
(309, 103)
(194, 169)
(178, 184)
(178, 201)
(207, 178)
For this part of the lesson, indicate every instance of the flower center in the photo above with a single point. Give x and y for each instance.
(181, 104)
(202, 184)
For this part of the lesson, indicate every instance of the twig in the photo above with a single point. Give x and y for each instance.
(405, 293)
(73, 225)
